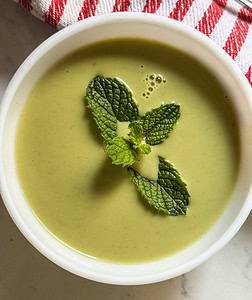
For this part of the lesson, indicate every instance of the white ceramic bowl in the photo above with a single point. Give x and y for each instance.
(101, 28)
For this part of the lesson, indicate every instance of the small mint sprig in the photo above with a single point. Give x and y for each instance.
(110, 102)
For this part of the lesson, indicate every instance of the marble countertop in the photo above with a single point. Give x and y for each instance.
(26, 274)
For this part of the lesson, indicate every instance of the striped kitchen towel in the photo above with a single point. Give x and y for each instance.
(226, 22)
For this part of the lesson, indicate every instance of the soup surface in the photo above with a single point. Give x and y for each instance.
(90, 204)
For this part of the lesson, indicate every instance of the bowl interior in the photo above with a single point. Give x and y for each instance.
(88, 32)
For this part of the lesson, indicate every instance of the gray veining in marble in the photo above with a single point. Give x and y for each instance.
(26, 274)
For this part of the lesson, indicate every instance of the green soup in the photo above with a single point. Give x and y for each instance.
(90, 204)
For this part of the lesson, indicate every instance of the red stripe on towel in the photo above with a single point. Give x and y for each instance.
(55, 11)
(152, 6)
(88, 9)
(211, 17)
(239, 33)
(121, 5)
(180, 10)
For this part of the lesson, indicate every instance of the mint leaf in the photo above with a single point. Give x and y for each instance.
(110, 101)
(143, 148)
(168, 194)
(159, 122)
(137, 138)
(117, 94)
(136, 134)
(103, 113)
(170, 179)
(120, 151)
(155, 195)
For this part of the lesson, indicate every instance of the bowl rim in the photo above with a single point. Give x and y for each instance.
(34, 57)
